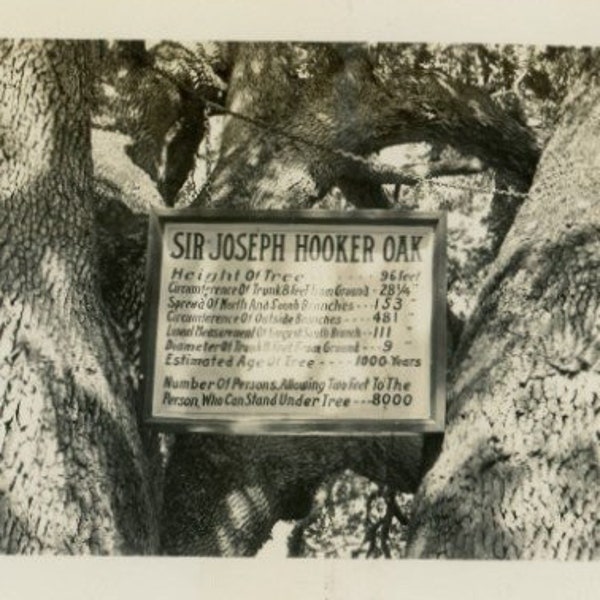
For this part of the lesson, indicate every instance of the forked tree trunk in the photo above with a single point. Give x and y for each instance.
(519, 472)
(74, 477)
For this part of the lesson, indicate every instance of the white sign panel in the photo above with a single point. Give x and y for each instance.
(296, 323)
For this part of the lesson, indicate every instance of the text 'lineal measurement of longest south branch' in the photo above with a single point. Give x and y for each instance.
(306, 321)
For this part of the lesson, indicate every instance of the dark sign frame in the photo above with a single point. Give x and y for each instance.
(288, 425)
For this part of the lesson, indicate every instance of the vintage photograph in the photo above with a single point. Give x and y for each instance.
(304, 299)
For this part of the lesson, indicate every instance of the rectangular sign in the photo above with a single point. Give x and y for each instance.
(302, 322)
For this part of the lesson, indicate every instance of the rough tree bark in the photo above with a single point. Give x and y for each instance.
(223, 494)
(519, 473)
(74, 474)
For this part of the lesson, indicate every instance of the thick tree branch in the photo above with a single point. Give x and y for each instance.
(376, 171)
(348, 106)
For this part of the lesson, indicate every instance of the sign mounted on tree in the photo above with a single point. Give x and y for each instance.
(296, 322)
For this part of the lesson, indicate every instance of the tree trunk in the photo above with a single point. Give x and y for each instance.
(519, 472)
(74, 477)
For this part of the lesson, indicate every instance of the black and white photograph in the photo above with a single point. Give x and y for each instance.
(335, 300)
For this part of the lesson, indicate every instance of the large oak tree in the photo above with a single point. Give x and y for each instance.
(523, 418)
